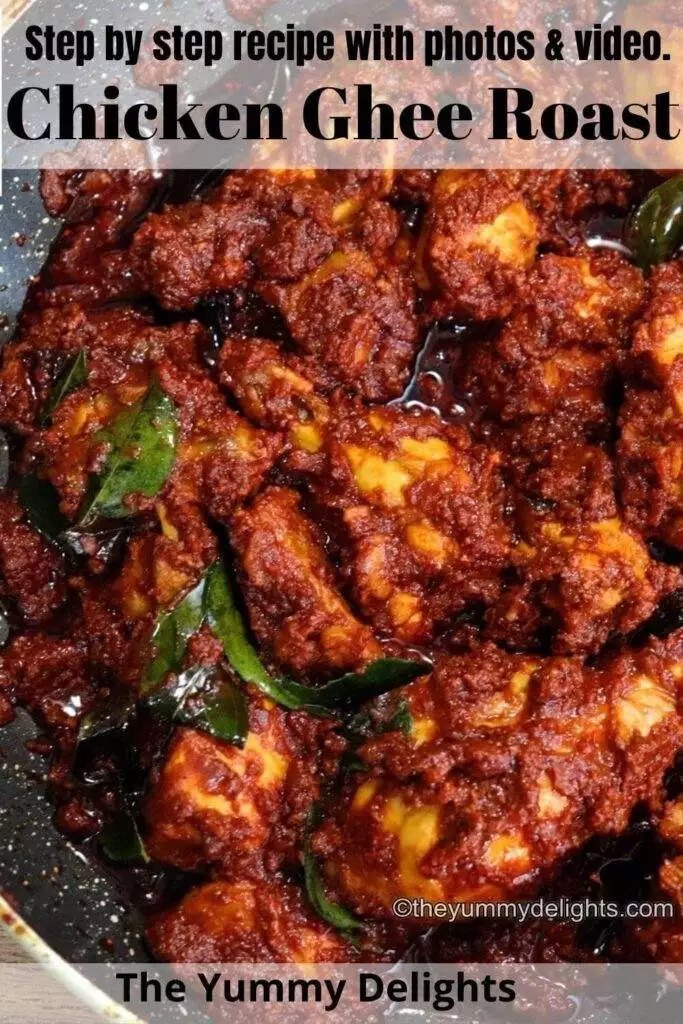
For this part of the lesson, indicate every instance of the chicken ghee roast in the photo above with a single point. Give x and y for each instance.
(340, 550)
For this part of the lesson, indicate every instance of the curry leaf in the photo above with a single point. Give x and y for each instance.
(213, 601)
(353, 688)
(331, 912)
(74, 375)
(142, 443)
(166, 702)
(120, 839)
(112, 716)
(222, 714)
(401, 720)
(349, 690)
(380, 677)
(228, 626)
(40, 501)
(654, 231)
(170, 637)
(107, 730)
(218, 707)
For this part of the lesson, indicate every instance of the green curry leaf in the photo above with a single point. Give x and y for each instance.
(353, 688)
(40, 501)
(654, 231)
(216, 707)
(112, 716)
(74, 375)
(335, 915)
(141, 452)
(170, 637)
(120, 839)
(222, 713)
(228, 626)
(213, 601)
(380, 677)
(401, 720)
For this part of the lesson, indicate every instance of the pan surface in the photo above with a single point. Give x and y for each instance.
(82, 912)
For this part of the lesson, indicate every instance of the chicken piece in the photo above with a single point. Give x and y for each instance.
(324, 206)
(50, 676)
(220, 458)
(153, 573)
(356, 319)
(573, 939)
(295, 608)
(479, 238)
(215, 805)
(223, 461)
(561, 347)
(504, 771)
(415, 508)
(191, 250)
(112, 339)
(90, 262)
(122, 350)
(661, 939)
(303, 241)
(274, 389)
(416, 513)
(31, 573)
(245, 922)
(567, 480)
(650, 464)
(70, 447)
(281, 225)
(670, 824)
(159, 568)
(582, 194)
(583, 582)
(650, 453)
(658, 338)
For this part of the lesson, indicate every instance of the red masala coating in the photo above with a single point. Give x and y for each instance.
(661, 939)
(304, 242)
(479, 239)
(361, 527)
(417, 513)
(586, 580)
(51, 676)
(295, 609)
(508, 766)
(354, 318)
(32, 573)
(90, 261)
(562, 344)
(651, 443)
(207, 245)
(414, 507)
(216, 804)
(240, 813)
(245, 922)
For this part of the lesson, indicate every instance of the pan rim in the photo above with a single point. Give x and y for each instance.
(40, 952)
